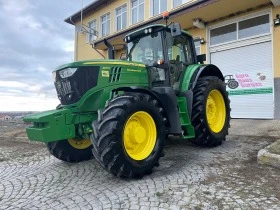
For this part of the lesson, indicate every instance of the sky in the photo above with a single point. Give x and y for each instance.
(34, 40)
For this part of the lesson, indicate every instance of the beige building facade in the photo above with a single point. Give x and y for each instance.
(241, 37)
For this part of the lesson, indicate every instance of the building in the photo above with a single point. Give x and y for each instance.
(241, 37)
(5, 117)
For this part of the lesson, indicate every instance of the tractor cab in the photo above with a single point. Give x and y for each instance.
(165, 50)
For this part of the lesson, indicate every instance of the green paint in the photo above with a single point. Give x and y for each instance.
(51, 125)
(63, 123)
(188, 74)
(75, 120)
(185, 118)
(100, 62)
(250, 91)
(187, 127)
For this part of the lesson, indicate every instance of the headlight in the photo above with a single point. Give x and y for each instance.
(68, 72)
(54, 75)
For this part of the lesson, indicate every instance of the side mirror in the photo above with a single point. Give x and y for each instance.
(175, 29)
(201, 58)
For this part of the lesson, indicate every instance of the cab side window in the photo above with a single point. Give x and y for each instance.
(175, 49)
(189, 52)
(177, 46)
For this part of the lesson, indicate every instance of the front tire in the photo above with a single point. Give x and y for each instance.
(129, 135)
(211, 112)
(71, 150)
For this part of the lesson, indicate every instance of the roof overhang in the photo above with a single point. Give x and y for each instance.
(117, 38)
(86, 10)
(208, 10)
(276, 3)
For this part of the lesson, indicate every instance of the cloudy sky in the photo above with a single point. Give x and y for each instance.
(34, 40)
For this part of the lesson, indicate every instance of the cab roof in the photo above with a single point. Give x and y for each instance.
(154, 27)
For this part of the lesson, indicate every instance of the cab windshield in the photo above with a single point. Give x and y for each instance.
(147, 50)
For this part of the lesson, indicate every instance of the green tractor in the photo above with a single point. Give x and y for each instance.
(122, 111)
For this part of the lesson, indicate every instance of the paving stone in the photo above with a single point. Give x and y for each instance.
(224, 177)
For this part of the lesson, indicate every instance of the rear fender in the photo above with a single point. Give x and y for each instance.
(191, 76)
(193, 72)
(207, 70)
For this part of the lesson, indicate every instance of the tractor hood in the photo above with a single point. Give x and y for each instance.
(100, 62)
(74, 80)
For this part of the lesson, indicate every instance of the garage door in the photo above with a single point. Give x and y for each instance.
(247, 67)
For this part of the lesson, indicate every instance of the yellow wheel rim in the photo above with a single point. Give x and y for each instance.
(139, 135)
(80, 144)
(216, 111)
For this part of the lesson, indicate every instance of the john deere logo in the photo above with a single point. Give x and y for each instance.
(105, 74)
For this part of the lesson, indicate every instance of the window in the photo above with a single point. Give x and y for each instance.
(176, 48)
(148, 49)
(197, 46)
(254, 26)
(177, 3)
(105, 24)
(92, 35)
(223, 34)
(137, 11)
(121, 17)
(242, 29)
(158, 6)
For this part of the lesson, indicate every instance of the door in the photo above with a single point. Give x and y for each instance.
(249, 79)
(242, 49)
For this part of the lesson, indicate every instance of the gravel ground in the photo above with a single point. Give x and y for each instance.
(189, 177)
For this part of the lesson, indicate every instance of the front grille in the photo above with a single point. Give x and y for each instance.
(66, 88)
(71, 89)
(115, 74)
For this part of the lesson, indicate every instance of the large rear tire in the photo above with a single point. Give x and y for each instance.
(211, 112)
(129, 135)
(71, 150)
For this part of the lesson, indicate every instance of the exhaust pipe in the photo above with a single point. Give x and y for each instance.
(111, 50)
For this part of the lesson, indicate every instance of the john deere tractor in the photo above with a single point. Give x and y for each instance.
(122, 111)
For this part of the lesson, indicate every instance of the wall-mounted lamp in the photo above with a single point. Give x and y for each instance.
(277, 20)
(202, 41)
(199, 23)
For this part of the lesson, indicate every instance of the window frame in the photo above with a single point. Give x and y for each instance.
(138, 6)
(238, 27)
(159, 7)
(160, 37)
(189, 55)
(235, 24)
(102, 22)
(241, 19)
(121, 16)
(173, 5)
(90, 29)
